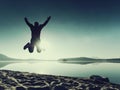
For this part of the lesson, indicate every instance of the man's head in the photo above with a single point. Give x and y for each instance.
(36, 24)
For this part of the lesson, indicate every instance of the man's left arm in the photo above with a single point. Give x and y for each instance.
(45, 23)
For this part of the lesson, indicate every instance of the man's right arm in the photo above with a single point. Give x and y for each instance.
(27, 22)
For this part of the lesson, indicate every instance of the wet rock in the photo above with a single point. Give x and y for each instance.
(10, 80)
(20, 88)
(2, 88)
(39, 88)
(99, 79)
(59, 88)
(93, 88)
(39, 83)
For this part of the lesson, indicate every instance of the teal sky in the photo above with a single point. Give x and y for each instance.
(78, 28)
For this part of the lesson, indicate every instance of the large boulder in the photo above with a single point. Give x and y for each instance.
(99, 79)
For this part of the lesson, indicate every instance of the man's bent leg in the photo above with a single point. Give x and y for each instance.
(38, 47)
(26, 46)
(38, 50)
(31, 48)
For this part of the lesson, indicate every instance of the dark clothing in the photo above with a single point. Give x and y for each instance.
(35, 31)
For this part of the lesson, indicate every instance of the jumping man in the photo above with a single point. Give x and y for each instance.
(35, 35)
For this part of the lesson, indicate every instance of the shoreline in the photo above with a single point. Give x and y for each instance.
(31, 81)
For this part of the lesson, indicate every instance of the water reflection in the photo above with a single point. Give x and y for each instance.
(2, 64)
(110, 70)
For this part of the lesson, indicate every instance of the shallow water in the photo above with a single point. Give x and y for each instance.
(110, 70)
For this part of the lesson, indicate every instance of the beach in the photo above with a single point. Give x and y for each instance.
(15, 80)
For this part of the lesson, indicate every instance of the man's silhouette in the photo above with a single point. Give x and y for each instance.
(35, 35)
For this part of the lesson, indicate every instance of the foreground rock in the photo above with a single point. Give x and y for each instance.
(13, 80)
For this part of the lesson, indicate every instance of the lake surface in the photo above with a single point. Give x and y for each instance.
(110, 70)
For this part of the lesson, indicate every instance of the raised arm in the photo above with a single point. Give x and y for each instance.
(46, 21)
(27, 22)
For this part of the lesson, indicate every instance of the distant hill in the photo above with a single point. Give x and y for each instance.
(87, 60)
(80, 59)
(4, 57)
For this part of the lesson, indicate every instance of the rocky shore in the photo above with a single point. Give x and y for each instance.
(14, 80)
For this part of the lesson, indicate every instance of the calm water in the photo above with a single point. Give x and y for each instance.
(110, 70)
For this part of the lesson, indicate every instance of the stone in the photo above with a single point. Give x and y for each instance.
(20, 88)
(60, 88)
(39, 88)
(97, 78)
(93, 88)
(10, 80)
(2, 88)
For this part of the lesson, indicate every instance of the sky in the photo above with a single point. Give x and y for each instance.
(78, 28)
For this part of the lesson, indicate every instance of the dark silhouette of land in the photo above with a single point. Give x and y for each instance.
(78, 60)
(4, 57)
(86, 60)
(35, 35)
